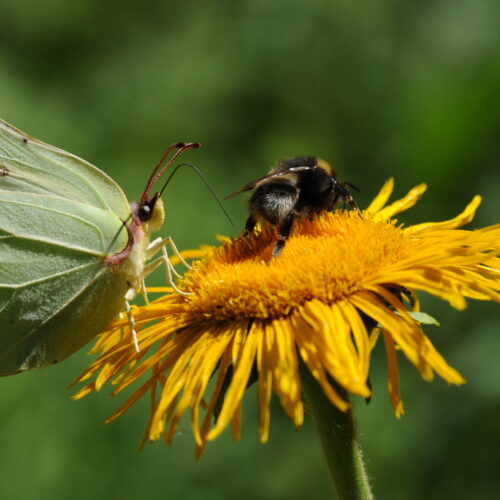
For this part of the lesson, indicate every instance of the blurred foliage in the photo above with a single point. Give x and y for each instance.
(406, 89)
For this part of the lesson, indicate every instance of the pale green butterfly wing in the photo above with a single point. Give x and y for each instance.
(61, 223)
(60, 217)
(35, 167)
(45, 321)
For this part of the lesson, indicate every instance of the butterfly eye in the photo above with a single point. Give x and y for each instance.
(146, 211)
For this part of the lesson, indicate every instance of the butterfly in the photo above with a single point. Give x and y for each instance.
(73, 251)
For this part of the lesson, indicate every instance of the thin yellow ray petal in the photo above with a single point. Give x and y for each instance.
(360, 335)
(401, 205)
(190, 254)
(217, 354)
(494, 263)
(187, 343)
(103, 339)
(319, 319)
(382, 197)
(414, 350)
(168, 353)
(161, 423)
(428, 280)
(319, 374)
(312, 313)
(374, 335)
(243, 366)
(460, 220)
(84, 391)
(239, 340)
(340, 332)
(158, 377)
(284, 362)
(309, 354)
(219, 384)
(105, 374)
(131, 400)
(308, 324)
(210, 347)
(114, 359)
(459, 241)
(392, 365)
(159, 289)
(409, 336)
(265, 380)
(472, 280)
(122, 355)
(329, 331)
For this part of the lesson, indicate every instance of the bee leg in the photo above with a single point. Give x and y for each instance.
(249, 227)
(284, 232)
(354, 205)
(334, 201)
(250, 224)
(349, 199)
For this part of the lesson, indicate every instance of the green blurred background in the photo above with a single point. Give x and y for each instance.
(389, 88)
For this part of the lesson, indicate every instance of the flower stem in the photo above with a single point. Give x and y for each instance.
(341, 447)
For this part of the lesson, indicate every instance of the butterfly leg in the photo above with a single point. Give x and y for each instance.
(155, 246)
(143, 291)
(160, 245)
(164, 259)
(170, 268)
(177, 254)
(130, 317)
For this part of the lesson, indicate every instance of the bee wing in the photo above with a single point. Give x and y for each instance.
(276, 173)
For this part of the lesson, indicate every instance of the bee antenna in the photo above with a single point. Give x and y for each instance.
(198, 171)
(354, 187)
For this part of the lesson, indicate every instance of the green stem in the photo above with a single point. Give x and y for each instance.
(341, 447)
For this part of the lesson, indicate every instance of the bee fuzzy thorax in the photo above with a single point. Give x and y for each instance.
(325, 166)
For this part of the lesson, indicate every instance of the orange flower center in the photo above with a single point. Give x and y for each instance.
(327, 258)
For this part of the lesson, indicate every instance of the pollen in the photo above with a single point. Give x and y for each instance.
(242, 280)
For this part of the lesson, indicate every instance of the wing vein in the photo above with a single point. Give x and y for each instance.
(76, 165)
(46, 278)
(66, 304)
(54, 211)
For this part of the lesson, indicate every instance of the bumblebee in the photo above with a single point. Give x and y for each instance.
(294, 189)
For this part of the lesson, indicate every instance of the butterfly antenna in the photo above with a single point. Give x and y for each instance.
(163, 164)
(198, 171)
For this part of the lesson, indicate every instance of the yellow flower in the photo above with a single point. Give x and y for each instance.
(248, 315)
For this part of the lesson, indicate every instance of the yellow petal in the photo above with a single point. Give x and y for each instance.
(382, 197)
(401, 205)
